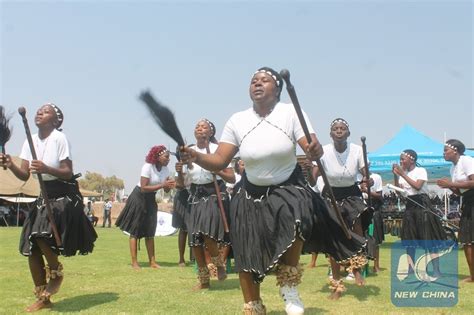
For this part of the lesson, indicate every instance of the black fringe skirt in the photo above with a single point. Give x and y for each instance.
(352, 206)
(265, 222)
(180, 205)
(419, 223)
(378, 234)
(74, 228)
(139, 216)
(203, 216)
(466, 224)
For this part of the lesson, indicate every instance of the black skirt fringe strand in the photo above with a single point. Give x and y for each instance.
(466, 224)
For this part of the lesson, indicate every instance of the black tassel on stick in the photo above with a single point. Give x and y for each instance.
(5, 131)
(163, 116)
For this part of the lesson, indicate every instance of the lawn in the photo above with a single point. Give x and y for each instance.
(104, 283)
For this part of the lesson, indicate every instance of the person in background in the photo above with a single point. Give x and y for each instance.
(76, 233)
(419, 223)
(107, 213)
(378, 236)
(274, 212)
(204, 222)
(90, 213)
(139, 216)
(462, 184)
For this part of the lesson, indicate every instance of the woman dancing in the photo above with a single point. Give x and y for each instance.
(204, 222)
(274, 211)
(76, 232)
(139, 216)
(418, 223)
(343, 161)
(462, 183)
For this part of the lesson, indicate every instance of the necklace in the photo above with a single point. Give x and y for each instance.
(342, 159)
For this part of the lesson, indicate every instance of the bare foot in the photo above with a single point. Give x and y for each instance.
(201, 286)
(135, 266)
(335, 295)
(311, 266)
(38, 305)
(221, 273)
(154, 265)
(182, 264)
(376, 269)
(468, 280)
(359, 279)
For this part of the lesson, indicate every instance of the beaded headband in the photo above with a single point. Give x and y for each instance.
(270, 74)
(339, 120)
(59, 113)
(211, 126)
(411, 157)
(451, 146)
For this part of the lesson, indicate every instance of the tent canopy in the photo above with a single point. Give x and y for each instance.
(430, 153)
(11, 186)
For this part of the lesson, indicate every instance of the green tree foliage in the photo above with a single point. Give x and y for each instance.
(97, 182)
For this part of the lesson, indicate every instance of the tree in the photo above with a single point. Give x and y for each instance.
(106, 185)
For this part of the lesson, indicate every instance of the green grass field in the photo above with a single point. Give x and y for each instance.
(104, 283)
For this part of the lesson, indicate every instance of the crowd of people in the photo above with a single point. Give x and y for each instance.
(263, 210)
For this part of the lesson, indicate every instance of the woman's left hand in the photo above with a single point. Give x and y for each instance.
(37, 166)
(314, 150)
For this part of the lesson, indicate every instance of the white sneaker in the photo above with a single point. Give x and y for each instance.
(293, 304)
(350, 277)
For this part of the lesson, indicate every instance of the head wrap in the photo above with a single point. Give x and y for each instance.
(340, 120)
(154, 154)
(212, 137)
(59, 114)
(274, 75)
(456, 145)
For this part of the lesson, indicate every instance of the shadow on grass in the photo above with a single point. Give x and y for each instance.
(307, 310)
(227, 284)
(83, 302)
(360, 293)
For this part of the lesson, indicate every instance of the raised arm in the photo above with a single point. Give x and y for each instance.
(213, 162)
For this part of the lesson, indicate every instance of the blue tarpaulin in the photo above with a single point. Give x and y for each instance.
(430, 153)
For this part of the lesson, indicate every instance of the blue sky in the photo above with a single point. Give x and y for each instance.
(378, 64)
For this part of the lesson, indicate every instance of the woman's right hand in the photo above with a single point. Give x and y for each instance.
(187, 155)
(397, 170)
(5, 160)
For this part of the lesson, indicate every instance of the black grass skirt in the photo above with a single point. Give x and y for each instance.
(265, 222)
(139, 216)
(352, 206)
(466, 224)
(76, 231)
(180, 205)
(378, 233)
(203, 217)
(419, 223)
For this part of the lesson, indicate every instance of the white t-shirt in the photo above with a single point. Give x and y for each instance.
(151, 172)
(198, 175)
(415, 174)
(378, 185)
(342, 168)
(51, 150)
(267, 145)
(462, 170)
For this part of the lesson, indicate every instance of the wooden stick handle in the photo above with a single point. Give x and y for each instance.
(366, 167)
(294, 99)
(44, 193)
(218, 195)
